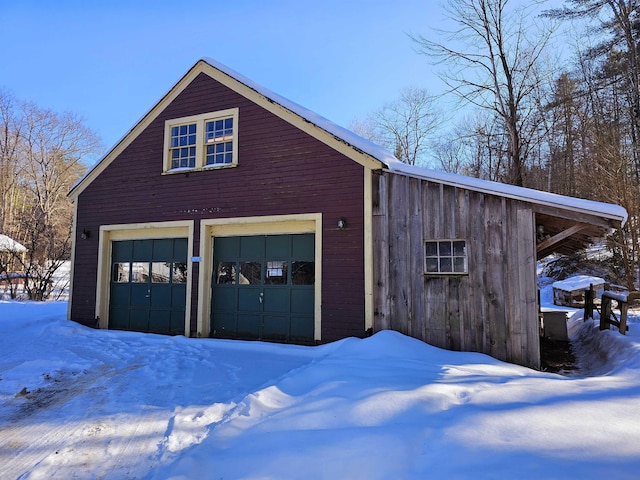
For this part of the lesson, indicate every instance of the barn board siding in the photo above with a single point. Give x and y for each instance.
(398, 253)
(281, 171)
(491, 310)
(380, 223)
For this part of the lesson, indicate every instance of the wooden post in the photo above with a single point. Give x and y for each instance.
(624, 307)
(605, 312)
(624, 310)
(589, 297)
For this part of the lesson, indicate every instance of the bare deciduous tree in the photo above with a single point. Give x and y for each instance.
(490, 58)
(404, 126)
(42, 155)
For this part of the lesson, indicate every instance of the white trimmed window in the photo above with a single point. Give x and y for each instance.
(446, 257)
(202, 141)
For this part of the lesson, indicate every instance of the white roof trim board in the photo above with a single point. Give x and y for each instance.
(8, 244)
(387, 159)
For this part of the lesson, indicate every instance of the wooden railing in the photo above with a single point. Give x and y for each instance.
(608, 316)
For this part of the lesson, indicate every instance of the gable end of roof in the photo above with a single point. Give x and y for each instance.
(353, 146)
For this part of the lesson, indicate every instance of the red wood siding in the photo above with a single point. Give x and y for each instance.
(281, 170)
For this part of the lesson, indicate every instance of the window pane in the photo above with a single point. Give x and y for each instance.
(249, 273)
(431, 249)
(228, 123)
(179, 272)
(276, 273)
(445, 249)
(120, 272)
(140, 272)
(432, 265)
(303, 273)
(160, 272)
(460, 248)
(446, 264)
(459, 265)
(226, 273)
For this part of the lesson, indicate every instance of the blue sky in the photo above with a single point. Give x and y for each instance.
(111, 61)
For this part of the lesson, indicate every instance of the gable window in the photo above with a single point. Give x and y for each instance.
(202, 141)
(446, 256)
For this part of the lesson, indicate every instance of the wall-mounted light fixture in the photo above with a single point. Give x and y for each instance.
(85, 234)
(342, 223)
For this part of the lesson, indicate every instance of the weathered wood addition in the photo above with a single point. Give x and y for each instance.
(493, 307)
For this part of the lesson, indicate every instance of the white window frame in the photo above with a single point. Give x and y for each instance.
(200, 121)
(452, 256)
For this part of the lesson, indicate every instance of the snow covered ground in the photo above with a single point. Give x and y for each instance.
(82, 403)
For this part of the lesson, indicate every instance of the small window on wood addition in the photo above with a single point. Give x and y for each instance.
(446, 257)
(201, 142)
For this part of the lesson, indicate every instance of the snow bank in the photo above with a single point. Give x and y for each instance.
(83, 403)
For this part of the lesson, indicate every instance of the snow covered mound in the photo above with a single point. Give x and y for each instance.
(83, 403)
(604, 352)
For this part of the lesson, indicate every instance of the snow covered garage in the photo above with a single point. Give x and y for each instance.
(231, 212)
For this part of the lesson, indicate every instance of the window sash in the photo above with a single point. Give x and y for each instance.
(448, 256)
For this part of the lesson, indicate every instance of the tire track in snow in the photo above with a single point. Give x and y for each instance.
(33, 444)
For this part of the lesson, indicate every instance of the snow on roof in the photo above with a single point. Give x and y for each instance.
(607, 210)
(388, 160)
(393, 164)
(579, 282)
(8, 244)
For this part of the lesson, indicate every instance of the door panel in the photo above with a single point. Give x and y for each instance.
(225, 299)
(251, 247)
(161, 296)
(249, 326)
(138, 319)
(161, 321)
(276, 300)
(179, 296)
(140, 295)
(224, 325)
(261, 285)
(275, 328)
(119, 317)
(302, 301)
(249, 299)
(301, 329)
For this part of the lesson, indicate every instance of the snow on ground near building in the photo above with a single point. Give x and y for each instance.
(83, 403)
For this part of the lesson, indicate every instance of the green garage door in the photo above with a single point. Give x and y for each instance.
(148, 285)
(263, 288)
